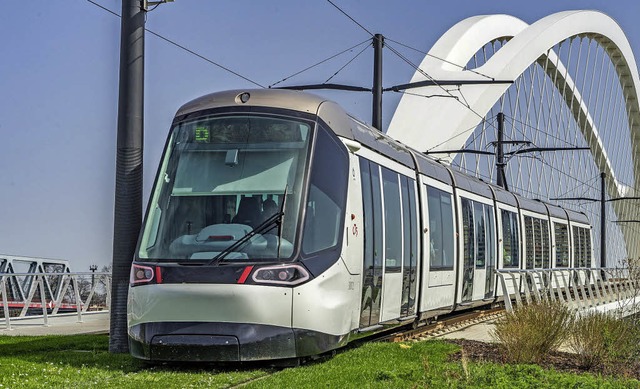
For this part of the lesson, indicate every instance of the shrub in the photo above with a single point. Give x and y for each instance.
(531, 331)
(601, 338)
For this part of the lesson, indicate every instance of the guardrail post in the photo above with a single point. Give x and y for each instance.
(107, 279)
(5, 302)
(505, 293)
(536, 287)
(590, 284)
(43, 300)
(516, 289)
(554, 275)
(596, 285)
(607, 280)
(573, 280)
(549, 280)
(525, 282)
(74, 278)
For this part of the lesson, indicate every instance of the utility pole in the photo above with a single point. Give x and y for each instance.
(378, 44)
(128, 194)
(603, 221)
(500, 176)
(603, 214)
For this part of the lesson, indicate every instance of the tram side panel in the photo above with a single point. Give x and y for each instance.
(476, 245)
(509, 246)
(389, 239)
(326, 309)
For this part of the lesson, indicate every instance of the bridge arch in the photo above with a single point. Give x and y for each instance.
(457, 112)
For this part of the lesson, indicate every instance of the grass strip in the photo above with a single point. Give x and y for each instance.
(83, 361)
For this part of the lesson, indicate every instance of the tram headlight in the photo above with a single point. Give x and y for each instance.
(281, 275)
(141, 275)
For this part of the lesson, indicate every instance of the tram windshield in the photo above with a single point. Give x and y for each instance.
(221, 178)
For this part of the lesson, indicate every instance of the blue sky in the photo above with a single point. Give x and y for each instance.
(59, 89)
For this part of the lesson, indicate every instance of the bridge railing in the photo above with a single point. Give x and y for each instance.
(53, 293)
(583, 288)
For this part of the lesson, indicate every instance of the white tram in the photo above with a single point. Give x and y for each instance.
(279, 227)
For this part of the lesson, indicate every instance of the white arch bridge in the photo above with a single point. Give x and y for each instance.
(568, 88)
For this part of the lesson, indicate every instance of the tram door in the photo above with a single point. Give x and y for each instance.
(468, 241)
(372, 258)
(490, 282)
(410, 249)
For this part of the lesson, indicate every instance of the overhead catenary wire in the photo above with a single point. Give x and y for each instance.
(347, 64)
(440, 59)
(184, 48)
(405, 59)
(351, 18)
(367, 41)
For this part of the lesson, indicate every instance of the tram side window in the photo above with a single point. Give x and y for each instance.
(468, 241)
(409, 224)
(562, 245)
(537, 242)
(546, 252)
(510, 239)
(441, 242)
(481, 236)
(529, 239)
(491, 251)
(327, 195)
(581, 247)
(392, 221)
(587, 257)
(577, 246)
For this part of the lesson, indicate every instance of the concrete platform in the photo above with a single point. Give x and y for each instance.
(480, 332)
(62, 324)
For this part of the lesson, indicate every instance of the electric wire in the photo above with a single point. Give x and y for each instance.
(441, 59)
(185, 48)
(352, 19)
(421, 71)
(455, 136)
(321, 62)
(346, 64)
(405, 59)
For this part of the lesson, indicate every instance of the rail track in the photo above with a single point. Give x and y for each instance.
(449, 324)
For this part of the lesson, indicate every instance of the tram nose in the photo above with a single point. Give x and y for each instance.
(211, 322)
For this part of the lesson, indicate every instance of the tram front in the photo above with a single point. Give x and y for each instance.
(241, 197)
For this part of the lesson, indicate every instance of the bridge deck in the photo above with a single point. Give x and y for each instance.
(61, 324)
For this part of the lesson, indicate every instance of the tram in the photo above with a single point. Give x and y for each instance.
(279, 227)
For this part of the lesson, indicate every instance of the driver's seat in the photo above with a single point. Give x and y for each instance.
(248, 212)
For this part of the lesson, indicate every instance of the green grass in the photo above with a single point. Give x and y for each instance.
(84, 361)
(424, 365)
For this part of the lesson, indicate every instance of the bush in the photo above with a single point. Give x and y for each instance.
(532, 331)
(601, 338)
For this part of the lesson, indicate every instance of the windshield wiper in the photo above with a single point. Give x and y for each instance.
(265, 226)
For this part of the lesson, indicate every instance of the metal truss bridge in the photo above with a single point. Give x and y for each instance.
(38, 286)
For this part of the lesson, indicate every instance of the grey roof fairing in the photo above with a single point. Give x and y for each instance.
(276, 98)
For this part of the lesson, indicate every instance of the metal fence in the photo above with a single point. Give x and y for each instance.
(53, 293)
(582, 287)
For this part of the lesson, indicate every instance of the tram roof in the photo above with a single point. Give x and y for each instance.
(276, 98)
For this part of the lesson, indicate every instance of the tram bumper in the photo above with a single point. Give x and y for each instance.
(211, 342)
